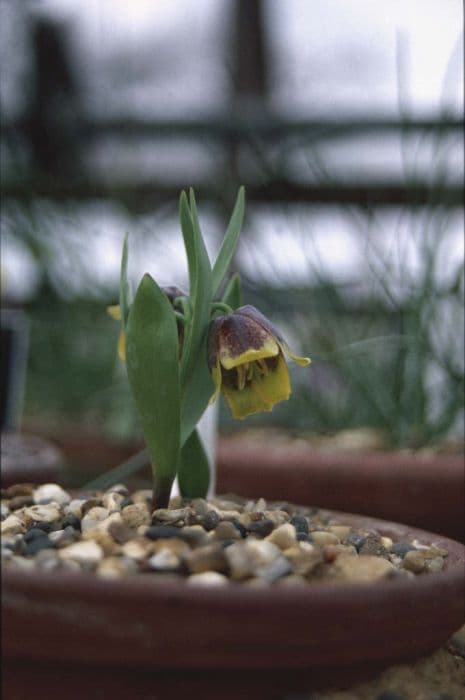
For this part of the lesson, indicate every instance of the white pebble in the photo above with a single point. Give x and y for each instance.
(51, 492)
(164, 560)
(12, 525)
(208, 578)
(283, 536)
(47, 513)
(93, 517)
(246, 558)
(75, 507)
(321, 538)
(84, 552)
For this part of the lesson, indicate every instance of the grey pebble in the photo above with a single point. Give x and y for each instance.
(210, 520)
(71, 520)
(200, 506)
(155, 532)
(35, 545)
(302, 537)
(356, 540)
(300, 523)
(262, 528)
(240, 528)
(43, 526)
(62, 538)
(35, 533)
(400, 549)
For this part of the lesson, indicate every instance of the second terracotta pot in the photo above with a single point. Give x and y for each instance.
(423, 490)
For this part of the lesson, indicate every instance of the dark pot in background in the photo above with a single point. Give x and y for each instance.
(80, 636)
(423, 490)
(30, 459)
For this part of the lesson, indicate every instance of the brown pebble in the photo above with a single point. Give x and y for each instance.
(414, 561)
(373, 546)
(136, 514)
(329, 553)
(304, 557)
(209, 558)
(226, 531)
(120, 532)
(18, 490)
(12, 525)
(116, 567)
(21, 501)
(90, 503)
(365, 568)
(103, 539)
(178, 547)
(434, 565)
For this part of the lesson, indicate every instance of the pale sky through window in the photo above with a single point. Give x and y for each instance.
(166, 58)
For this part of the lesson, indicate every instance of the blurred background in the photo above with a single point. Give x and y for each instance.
(344, 123)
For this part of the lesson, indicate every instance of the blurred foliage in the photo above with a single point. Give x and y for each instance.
(387, 351)
(376, 362)
(74, 375)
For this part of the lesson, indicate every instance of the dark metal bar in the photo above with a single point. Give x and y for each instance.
(144, 196)
(239, 127)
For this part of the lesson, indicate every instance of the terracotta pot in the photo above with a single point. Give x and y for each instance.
(79, 636)
(423, 490)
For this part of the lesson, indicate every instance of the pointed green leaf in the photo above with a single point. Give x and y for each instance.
(153, 371)
(124, 294)
(200, 286)
(228, 247)
(233, 293)
(194, 468)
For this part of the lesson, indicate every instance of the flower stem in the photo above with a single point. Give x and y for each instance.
(161, 492)
(221, 306)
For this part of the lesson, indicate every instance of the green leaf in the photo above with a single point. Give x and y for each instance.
(200, 286)
(228, 247)
(124, 294)
(233, 293)
(153, 371)
(194, 468)
(198, 392)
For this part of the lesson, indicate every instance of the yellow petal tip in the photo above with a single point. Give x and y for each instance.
(114, 311)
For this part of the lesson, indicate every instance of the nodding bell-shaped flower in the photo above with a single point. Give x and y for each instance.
(115, 312)
(246, 360)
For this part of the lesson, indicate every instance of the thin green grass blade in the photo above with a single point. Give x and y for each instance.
(200, 283)
(228, 247)
(233, 293)
(124, 293)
